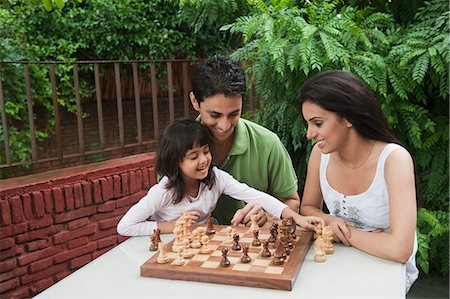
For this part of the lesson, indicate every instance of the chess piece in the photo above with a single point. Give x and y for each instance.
(292, 227)
(225, 262)
(279, 256)
(256, 241)
(254, 222)
(319, 229)
(245, 259)
(162, 257)
(210, 227)
(186, 252)
(178, 235)
(236, 246)
(205, 249)
(273, 233)
(196, 239)
(319, 253)
(229, 232)
(179, 261)
(157, 232)
(154, 244)
(265, 251)
(327, 236)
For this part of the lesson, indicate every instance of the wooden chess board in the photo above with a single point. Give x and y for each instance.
(260, 272)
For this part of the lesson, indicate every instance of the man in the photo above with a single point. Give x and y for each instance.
(251, 153)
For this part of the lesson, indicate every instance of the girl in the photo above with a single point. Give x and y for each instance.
(359, 170)
(190, 183)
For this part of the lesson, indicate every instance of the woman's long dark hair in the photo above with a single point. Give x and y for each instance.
(177, 139)
(349, 97)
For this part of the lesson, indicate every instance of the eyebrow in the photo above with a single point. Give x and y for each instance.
(213, 111)
(315, 117)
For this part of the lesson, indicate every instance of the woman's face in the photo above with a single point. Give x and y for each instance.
(325, 127)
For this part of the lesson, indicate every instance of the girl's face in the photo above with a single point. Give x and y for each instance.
(325, 127)
(195, 163)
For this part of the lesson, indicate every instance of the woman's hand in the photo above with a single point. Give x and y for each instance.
(340, 229)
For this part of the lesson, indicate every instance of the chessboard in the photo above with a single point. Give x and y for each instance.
(260, 272)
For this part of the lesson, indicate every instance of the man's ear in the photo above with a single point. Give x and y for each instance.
(194, 102)
(348, 124)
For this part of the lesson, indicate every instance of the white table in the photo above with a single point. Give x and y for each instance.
(348, 273)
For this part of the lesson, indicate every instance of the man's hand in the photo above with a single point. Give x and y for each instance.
(242, 216)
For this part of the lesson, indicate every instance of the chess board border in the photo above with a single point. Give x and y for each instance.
(283, 281)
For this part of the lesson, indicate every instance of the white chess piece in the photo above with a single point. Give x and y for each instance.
(162, 257)
(229, 231)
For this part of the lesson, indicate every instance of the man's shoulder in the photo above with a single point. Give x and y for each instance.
(258, 130)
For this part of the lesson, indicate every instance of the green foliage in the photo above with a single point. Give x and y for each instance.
(406, 66)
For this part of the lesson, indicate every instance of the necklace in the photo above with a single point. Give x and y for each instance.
(362, 163)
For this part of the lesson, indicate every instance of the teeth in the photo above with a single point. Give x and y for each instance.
(321, 141)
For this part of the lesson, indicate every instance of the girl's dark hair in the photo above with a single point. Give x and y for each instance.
(349, 97)
(177, 139)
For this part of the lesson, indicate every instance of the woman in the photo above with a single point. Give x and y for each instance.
(359, 170)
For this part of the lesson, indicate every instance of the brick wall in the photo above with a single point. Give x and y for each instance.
(55, 222)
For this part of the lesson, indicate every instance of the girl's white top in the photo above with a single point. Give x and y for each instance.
(141, 219)
(369, 210)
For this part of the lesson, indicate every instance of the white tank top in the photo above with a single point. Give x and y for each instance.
(369, 210)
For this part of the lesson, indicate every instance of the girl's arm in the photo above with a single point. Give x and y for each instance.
(398, 244)
(312, 199)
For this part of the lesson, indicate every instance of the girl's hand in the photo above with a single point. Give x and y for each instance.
(242, 216)
(309, 222)
(194, 215)
(340, 229)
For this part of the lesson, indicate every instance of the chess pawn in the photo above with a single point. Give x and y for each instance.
(319, 230)
(225, 262)
(180, 261)
(210, 227)
(254, 222)
(245, 259)
(177, 243)
(162, 257)
(205, 249)
(195, 239)
(256, 242)
(186, 252)
(236, 246)
(327, 236)
(154, 244)
(229, 232)
(265, 251)
(319, 253)
(279, 256)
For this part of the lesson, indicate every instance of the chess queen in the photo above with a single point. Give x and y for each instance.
(189, 182)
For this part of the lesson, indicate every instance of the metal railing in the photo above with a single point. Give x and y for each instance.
(162, 85)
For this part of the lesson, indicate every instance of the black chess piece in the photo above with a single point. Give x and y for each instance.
(266, 252)
(225, 262)
(245, 259)
(210, 227)
(236, 246)
(256, 241)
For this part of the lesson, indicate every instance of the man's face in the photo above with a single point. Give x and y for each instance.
(220, 113)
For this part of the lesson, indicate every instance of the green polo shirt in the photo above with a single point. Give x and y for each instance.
(259, 159)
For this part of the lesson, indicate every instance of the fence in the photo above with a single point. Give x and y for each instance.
(97, 110)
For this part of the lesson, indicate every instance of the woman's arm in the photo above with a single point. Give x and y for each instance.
(398, 244)
(312, 200)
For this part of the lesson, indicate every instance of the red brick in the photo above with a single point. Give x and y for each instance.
(27, 206)
(116, 186)
(13, 251)
(59, 276)
(17, 210)
(21, 292)
(44, 274)
(130, 200)
(6, 243)
(125, 177)
(83, 212)
(97, 191)
(28, 258)
(120, 238)
(40, 223)
(36, 245)
(48, 200)
(7, 265)
(80, 261)
(145, 181)
(38, 234)
(107, 188)
(138, 180)
(5, 213)
(87, 193)
(152, 176)
(77, 242)
(108, 241)
(16, 272)
(41, 264)
(6, 231)
(133, 187)
(41, 285)
(104, 233)
(70, 254)
(20, 228)
(77, 223)
(78, 195)
(108, 223)
(58, 200)
(38, 204)
(107, 207)
(68, 194)
(70, 235)
(8, 285)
